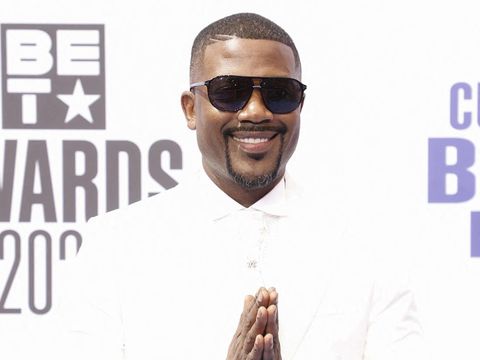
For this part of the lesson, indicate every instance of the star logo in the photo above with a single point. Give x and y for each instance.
(45, 89)
(78, 103)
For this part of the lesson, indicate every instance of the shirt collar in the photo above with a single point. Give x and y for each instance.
(217, 204)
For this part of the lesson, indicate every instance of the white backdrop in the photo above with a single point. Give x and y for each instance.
(379, 75)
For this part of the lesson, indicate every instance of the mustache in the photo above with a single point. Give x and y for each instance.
(281, 129)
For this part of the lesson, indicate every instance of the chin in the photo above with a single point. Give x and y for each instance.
(254, 174)
(253, 179)
(255, 182)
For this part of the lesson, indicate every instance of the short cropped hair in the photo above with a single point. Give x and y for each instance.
(244, 26)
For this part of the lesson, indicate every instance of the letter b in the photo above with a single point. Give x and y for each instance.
(28, 52)
(438, 170)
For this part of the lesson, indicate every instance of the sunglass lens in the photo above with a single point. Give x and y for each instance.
(282, 95)
(229, 93)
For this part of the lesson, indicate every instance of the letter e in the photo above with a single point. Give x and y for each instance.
(78, 52)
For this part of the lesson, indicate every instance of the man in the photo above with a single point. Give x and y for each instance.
(164, 278)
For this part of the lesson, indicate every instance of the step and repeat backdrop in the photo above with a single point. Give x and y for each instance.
(91, 121)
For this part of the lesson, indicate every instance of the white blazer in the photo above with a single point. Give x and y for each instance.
(165, 278)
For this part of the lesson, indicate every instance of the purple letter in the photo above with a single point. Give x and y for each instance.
(438, 169)
(475, 234)
(454, 98)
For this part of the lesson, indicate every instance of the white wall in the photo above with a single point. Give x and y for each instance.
(379, 75)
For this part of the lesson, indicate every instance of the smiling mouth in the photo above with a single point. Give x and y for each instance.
(251, 140)
(254, 142)
(253, 137)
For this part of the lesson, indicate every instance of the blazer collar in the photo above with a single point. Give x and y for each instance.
(216, 204)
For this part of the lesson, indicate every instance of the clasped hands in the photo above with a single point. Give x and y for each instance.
(256, 337)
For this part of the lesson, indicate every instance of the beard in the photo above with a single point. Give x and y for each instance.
(255, 182)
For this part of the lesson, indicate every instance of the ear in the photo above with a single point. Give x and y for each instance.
(188, 107)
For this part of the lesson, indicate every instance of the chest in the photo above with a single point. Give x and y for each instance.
(189, 295)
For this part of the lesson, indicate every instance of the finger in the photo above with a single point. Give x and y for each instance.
(268, 348)
(258, 328)
(273, 296)
(262, 297)
(257, 350)
(250, 316)
(272, 320)
(272, 329)
(248, 305)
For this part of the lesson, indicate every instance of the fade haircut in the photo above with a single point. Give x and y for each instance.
(244, 26)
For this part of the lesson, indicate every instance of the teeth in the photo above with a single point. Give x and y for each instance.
(251, 140)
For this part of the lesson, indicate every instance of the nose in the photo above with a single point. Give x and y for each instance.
(255, 110)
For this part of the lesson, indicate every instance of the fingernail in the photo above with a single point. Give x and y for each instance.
(259, 313)
(270, 341)
(260, 297)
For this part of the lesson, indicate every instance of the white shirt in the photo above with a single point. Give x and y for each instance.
(165, 278)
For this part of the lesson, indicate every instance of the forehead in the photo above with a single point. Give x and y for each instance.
(248, 57)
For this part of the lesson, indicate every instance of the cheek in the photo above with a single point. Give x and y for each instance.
(209, 131)
(208, 140)
(294, 130)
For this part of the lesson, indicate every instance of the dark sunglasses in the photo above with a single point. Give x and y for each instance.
(231, 93)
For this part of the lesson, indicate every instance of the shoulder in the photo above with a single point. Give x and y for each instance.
(160, 207)
(141, 223)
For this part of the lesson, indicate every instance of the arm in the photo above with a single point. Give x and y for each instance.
(90, 308)
(394, 330)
